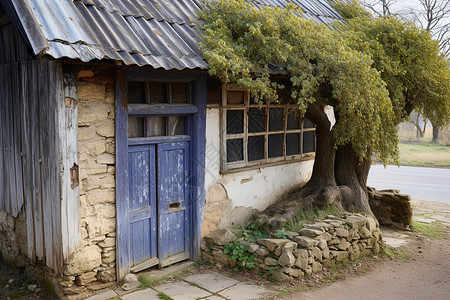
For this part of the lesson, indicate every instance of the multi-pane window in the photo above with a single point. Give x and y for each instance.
(256, 134)
(156, 94)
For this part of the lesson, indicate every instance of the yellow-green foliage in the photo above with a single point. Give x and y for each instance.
(349, 69)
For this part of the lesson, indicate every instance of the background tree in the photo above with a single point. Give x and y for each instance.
(430, 15)
(361, 70)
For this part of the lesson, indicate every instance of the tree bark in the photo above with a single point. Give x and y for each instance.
(321, 189)
(435, 138)
(351, 177)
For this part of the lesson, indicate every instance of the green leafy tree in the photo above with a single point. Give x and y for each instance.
(360, 71)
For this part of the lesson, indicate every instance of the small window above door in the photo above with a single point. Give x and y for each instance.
(158, 92)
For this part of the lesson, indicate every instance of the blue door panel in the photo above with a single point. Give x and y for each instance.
(173, 199)
(141, 212)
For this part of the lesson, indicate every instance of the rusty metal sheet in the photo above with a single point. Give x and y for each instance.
(159, 33)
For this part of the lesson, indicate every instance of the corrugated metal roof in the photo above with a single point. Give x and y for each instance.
(158, 33)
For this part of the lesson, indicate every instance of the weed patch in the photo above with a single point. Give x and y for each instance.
(434, 230)
(310, 214)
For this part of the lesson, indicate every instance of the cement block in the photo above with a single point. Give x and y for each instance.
(212, 281)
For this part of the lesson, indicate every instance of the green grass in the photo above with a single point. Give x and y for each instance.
(434, 230)
(420, 154)
(402, 253)
(310, 214)
(164, 296)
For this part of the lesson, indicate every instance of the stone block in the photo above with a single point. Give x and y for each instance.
(272, 244)
(341, 232)
(107, 242)
(97, 196)
(86, 278)
(306, 242)
(222, 258)
(343, 244)
(270, 261)
(277, 251)
(311, 232)
(99, 227)
(90, 91)
(365, 233)
(107, 275)
(106, 129)
(322, 244)
(316, 253)
(262, 251)
(279, 276)
(84, 260)
(253, 247)
(220, 237)
(316, 266)
(106, 158)
(339, 255)
(302, 259)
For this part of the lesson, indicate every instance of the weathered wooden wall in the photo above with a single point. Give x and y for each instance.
(29, 154)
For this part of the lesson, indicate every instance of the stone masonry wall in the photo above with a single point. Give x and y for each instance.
(92, 266)
(13, 239)
(317, 245)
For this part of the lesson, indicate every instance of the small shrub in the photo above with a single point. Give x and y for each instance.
(239, 252)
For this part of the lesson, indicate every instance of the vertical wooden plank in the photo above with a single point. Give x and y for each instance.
(9, 191)
(198, 147)
(36, 154)
(27, 169)
(2, 132)
(54, 95)
(2, 140)
(44, 148)
(68, 147)
(122, 184)
(17, 201)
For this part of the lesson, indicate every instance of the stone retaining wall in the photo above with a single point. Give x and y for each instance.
(317, 245)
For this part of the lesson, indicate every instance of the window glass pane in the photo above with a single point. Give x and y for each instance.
(307, 123)
(157, 91)
(235, 97)
(256, 119)
(275, 118)
(136, 92)
(275, 145)
(179, 92)
(156, 126)
(292, 143)
(255, 147)
(136, 127)
(308, 141)
(235, 150)
(293, 121)
(235, 121)
(176, 125)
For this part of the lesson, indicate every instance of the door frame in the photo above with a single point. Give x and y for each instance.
(196, 129)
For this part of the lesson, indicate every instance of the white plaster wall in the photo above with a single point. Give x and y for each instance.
(255, 188)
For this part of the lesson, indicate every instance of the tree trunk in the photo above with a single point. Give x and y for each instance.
(435, 138)
(321, 189)
(351, 177)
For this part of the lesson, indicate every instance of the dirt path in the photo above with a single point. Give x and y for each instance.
(423, 274)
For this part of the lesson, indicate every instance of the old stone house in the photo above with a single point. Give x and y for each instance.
(117, 151)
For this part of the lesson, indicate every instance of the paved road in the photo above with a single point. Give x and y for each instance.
(430, 184)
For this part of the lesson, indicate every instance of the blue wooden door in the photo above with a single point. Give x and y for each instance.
(142, 216)
(173, 202)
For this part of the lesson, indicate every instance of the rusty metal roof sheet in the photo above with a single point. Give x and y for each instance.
(158, 33)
